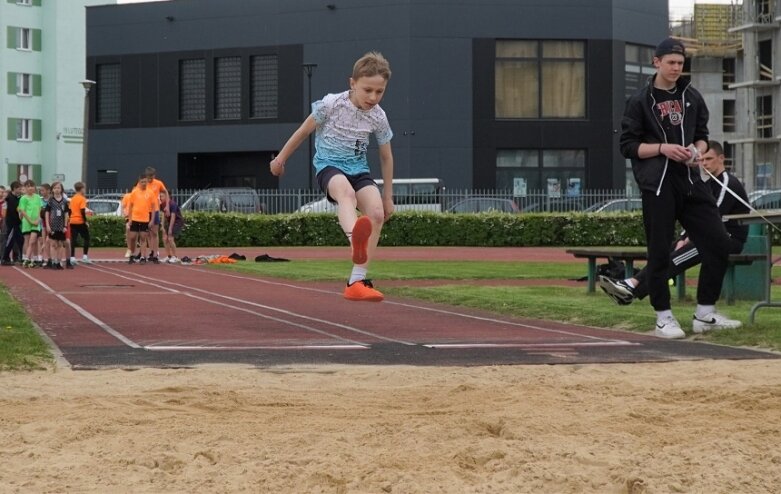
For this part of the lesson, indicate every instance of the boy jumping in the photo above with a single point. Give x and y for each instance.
(343, 123)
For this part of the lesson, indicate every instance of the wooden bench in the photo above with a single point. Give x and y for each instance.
(629, 256)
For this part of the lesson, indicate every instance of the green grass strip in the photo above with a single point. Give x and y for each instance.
(21, 347)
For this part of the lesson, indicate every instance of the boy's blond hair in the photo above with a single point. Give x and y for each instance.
(371, 64)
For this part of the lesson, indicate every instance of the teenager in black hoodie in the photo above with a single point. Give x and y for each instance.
(13, 226)
(664, 133)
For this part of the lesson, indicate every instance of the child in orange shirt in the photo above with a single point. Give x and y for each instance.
(140, 209)
(79, 227)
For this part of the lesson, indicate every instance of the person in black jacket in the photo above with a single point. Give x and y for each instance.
(664, 133)
(13, 225)
(684, 253)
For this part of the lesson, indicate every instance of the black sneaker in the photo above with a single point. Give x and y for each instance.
(131, 260)
(618, 290)
(154, 260)
(68, 265)
(57, 267)
(142, 260)
(6, 262)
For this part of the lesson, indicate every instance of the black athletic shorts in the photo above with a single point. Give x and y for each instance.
(139, 226)
(57, 235)
(357, 181)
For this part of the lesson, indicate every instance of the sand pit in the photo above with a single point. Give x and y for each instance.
(707, 426)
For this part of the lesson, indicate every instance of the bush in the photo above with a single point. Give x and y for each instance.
(403, 229)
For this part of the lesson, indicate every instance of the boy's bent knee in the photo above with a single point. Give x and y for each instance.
(376, 215)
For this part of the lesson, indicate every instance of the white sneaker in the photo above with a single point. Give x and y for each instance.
(172, 260)
(85, 259)
(73, 261)
(713, 322)
(669, 328)
(127, 253)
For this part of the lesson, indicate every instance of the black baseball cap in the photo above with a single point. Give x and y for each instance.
(669, 45)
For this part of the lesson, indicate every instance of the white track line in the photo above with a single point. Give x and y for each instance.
(432, 309)
(152, 281)
(84, 313)
(562, 346)
(169, 348)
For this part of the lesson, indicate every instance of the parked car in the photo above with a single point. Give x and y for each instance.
(556, 205)
(104, 207)
(224, 200)
(409, 194)
(484, 205)
(616, 206)
(321, 205)
(765, 199)
(113, 195)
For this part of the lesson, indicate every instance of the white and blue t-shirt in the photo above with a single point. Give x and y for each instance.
(343, 130)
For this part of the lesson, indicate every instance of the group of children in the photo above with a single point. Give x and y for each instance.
(149, 209)
(40, 223)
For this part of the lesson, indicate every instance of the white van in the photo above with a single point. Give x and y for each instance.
(409, 194)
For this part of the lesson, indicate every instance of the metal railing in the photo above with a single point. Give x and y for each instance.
(276, 201)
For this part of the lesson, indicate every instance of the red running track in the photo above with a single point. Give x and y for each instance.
(113, 314)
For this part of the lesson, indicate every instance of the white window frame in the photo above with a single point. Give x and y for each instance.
(24, 84)
(24, 2)
(24, 130)
(24, 39)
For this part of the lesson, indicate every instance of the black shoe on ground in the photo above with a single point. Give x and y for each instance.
(6, 262)
(68, 265)
(154, 260)
(57, 267)
(142, 260)
(618, 290)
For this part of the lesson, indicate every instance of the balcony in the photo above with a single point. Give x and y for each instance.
(765, 21)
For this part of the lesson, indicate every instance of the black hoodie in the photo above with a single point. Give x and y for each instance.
(11, 213)
(642, 125)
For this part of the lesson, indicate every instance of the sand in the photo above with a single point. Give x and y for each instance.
(705, 426)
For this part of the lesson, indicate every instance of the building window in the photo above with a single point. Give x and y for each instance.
(764, 12)
(765, 116)
(227, 88)
(25, 172)
(540, 79)
(556, 171)
(24, 85)
(638, 67)
(728, 115)
(24, 129)
(24, 39)
(24, 2)
(729, 156)
(264, 86)
(728, 72)
(108, 179)
(192, 90)
(108, 94)
(765, 49)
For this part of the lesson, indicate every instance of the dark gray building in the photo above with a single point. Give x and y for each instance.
(484, 94)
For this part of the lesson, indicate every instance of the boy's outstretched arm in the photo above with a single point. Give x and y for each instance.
(386, 168)
(278, 164)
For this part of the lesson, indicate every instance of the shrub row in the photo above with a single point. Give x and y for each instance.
(404, 229)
